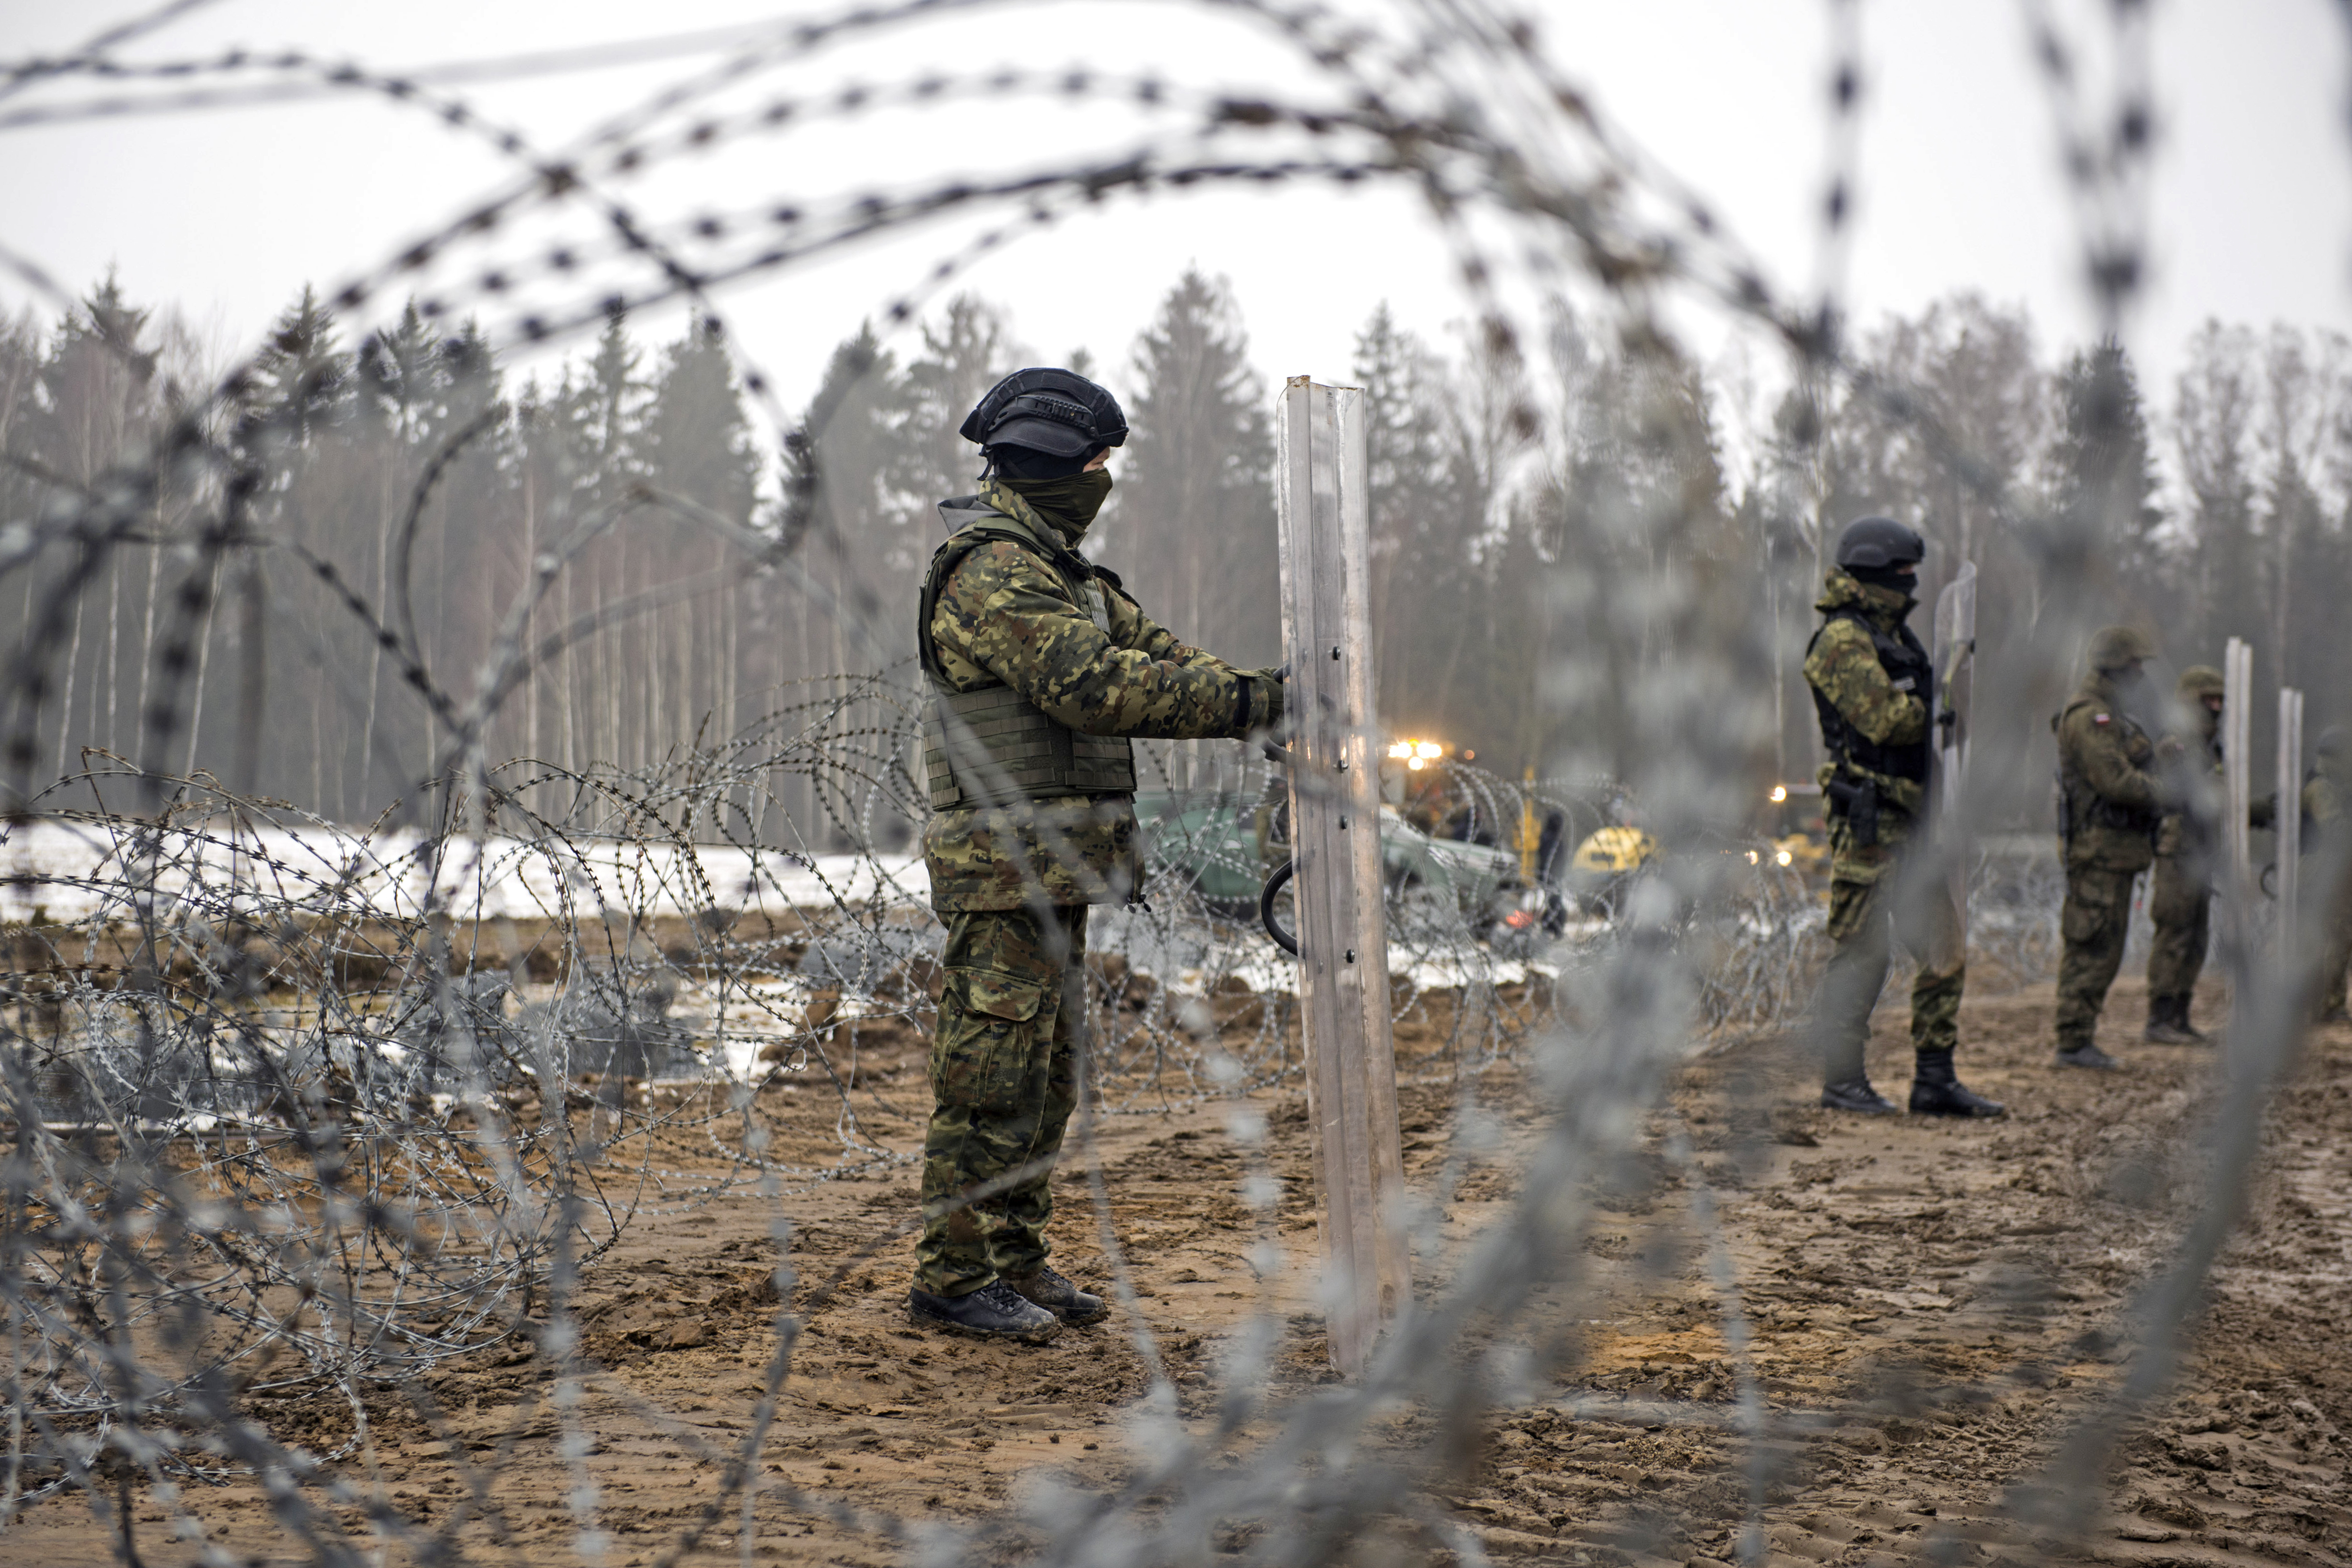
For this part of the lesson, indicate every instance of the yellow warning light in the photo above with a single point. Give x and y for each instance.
(1785, 858)
(1780, 793)
(1752, 856)
(1428, 751)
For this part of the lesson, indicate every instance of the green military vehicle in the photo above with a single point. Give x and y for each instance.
(1223, 845)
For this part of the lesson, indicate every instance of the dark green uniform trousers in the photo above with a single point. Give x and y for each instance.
(2093, 921)
(2180, 902)
(1004, 1078)
(2336, 959)
(1866, 918)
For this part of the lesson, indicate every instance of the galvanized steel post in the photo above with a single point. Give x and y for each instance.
(2288, 823)
(2237, 709)
(1335, 836)
(1955, 666)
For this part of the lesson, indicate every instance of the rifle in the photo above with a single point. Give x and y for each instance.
(1860, 801)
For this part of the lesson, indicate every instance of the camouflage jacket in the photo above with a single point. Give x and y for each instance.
(2112, 800)
(2322, 802)
(1007, 616)
(2183, 758)
(2182, 833)
(1843, 667)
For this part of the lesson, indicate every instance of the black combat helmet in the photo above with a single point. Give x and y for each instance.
(1058, 411)
(1879, 543)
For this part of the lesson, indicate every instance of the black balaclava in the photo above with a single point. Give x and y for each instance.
(1028, 463)
(1061, 489)
(1886, 578)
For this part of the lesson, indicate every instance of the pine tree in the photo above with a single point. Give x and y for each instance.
(869, 539)
(2213, 417)
(299, 382)
(1415, 532)
(2105, 472)
(965, 352)
(697, 442)
(1193, 523)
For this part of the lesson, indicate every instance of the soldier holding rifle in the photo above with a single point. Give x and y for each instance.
(1873, 685)
(2111, 807)
(2180, 889)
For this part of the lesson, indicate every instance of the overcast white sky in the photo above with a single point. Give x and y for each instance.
(228, 212)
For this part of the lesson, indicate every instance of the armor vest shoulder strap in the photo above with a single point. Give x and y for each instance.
(1907, 664)
(1900, 646)
(984, 527)
(1007, 747)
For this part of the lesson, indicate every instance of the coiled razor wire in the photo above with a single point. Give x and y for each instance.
(308, 1103)
(300, 1104)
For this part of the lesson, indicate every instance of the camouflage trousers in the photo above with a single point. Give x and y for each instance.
(2336, 958)
(2180, 902)
(2094, 922)
(1866, 919)
(1004, 1078)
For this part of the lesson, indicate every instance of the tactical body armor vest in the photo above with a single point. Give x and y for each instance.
(992, 746)
(1909, 667)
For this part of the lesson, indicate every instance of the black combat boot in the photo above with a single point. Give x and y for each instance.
(2168, 1024)
(1855, 1094)
(992, 1312)
(2085, 1054)
(1937, 1091)
(1048, 1290)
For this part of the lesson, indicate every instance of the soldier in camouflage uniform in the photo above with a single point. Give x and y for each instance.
(2181, 889)
(1043, 667)
(1873, 685)
(2113, 806)
(2323, 812)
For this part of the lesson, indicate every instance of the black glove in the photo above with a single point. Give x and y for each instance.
(1262, 691)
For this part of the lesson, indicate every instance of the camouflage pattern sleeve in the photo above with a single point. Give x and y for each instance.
(2098, 747)
(1131, 628)
(1843, 667)
(1005, 611)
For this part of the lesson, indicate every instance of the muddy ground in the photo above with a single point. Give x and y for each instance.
(1933, 1306)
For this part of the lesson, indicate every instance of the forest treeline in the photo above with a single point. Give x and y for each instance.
(1515, 493)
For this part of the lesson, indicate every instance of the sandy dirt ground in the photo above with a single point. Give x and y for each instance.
(1934, 1306)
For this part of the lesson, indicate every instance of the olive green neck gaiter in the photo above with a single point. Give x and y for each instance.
(1069, 503)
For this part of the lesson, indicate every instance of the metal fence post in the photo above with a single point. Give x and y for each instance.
(1334, 838)
(2288, 823)
(1955, 666)
(2237, 709)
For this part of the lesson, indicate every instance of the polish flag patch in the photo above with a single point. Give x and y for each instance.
(2098, 718)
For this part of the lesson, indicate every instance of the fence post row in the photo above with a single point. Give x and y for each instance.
(1343, 973)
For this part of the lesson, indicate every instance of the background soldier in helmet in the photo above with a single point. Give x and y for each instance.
(2111, 806)
(2322, 818)
(1043, 667)
(2181, 889)
(1872, 684)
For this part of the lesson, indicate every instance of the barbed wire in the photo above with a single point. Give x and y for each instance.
(302, 1105)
